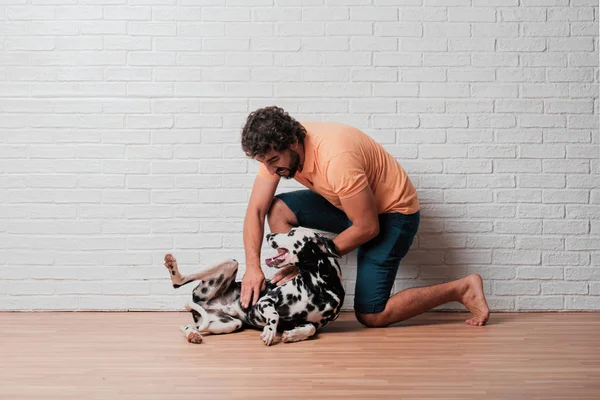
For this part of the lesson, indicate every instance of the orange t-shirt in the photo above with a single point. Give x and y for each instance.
(341, 160)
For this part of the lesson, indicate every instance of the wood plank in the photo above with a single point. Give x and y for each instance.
(143, 355)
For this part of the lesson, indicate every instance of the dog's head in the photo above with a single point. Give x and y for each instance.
(298, 241)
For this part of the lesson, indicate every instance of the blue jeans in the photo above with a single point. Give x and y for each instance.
(377, 259)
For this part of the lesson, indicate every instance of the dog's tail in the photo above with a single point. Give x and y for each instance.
(195, 307)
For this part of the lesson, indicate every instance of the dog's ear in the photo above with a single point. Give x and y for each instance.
(327, 246)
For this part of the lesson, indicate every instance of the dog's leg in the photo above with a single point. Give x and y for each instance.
(272, 319)
(211, 323)
(299, 333)
(193, 331)
(225, 324)
(215, 277)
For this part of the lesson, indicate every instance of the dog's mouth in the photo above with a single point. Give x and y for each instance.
(278, 259)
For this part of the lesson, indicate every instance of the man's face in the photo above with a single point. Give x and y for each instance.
(283, 163)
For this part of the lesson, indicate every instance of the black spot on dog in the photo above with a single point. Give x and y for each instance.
(211, 282)
(271, 328)
(196, 298)
(220, 279)
(284, 310)
(204, 290)
(310, 307)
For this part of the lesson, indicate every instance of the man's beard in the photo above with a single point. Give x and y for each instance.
(293, 168)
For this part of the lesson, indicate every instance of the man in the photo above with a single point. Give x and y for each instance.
(355, 189)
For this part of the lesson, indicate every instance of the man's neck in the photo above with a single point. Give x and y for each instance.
(302, 158)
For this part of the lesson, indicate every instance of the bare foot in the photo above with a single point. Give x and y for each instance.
(474, 299)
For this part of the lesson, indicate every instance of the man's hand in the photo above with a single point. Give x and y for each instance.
(253, 283)
(285, 275)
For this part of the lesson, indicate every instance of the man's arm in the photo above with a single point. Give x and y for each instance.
(362, 211)
(348, 179)
(258, 206)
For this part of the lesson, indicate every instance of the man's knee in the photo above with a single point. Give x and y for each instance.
(280, 217)
(371, 320)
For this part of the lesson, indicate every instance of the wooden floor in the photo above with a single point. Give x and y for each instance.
(141, 355)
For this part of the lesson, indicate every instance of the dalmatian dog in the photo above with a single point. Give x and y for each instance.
(297, 309)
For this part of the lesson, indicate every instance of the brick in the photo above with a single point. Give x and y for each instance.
(566, 196)
(541, 181)
(540, 243)
(518, 227)
(564, 258)
(583, 303)
(582, 273)
(540, 303)
(519, 257)
(503, 288)
(489, 241)
(469, 106)
(489, 211)
(467, 166)
(538, 273)
(583, 243)
(541, 211)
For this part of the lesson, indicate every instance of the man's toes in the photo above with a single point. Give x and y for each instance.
(474, 322)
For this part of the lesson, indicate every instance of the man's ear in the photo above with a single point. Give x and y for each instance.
(327, 246)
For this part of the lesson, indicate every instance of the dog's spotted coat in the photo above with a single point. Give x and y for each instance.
(297, 308)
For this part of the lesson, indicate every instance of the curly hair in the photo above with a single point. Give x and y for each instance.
(270, 128)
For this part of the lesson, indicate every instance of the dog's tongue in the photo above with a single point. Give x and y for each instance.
(273, 261)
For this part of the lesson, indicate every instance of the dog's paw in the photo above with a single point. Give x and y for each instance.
(290, 336)
(267, 335)
(192, 335)
(298, 334)
(170, 261)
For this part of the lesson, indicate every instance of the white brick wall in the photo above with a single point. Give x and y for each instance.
(120, 123)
